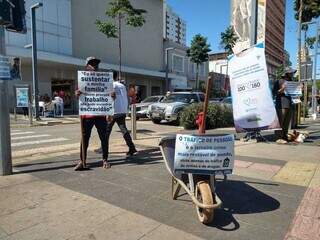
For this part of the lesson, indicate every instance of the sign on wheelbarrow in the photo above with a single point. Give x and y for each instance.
(204, 154)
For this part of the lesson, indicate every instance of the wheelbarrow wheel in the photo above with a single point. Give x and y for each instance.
(204, 195)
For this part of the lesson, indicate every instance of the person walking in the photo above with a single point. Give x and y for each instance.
(119, 117)
(87, 123)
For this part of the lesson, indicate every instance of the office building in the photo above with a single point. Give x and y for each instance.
(270, 28)
(174, 26)
(67, 35)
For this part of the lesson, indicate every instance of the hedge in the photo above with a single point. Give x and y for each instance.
(217, 116)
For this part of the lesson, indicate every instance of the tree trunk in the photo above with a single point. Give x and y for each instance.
(120, 47)
(197, 77)
(227, 77)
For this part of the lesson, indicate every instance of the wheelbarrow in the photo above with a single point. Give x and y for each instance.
(201, 188)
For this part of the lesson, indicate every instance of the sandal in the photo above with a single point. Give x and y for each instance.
(106, 165)
(80, 166)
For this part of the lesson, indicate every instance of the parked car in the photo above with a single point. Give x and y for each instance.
(171, 106)
(227, 101)
(142, 107)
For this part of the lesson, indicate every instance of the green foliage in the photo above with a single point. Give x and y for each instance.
(279, 72)
(107, 28)
(217, 116)
(198, 52)
(310, 41)
(228, 39)
(310, 10)
(287, 61)
(125, 11)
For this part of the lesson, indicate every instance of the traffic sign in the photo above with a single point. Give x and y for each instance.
(4, 68)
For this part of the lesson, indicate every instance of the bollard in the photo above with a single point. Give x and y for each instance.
(15, 114)
(30, 113)
(133, 122)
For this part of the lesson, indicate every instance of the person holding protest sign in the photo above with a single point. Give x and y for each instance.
(283, 102)
(87, 123)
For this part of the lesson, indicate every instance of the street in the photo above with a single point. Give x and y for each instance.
(265, 196)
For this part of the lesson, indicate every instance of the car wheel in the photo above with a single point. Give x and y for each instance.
(156, 121)
(177, 122)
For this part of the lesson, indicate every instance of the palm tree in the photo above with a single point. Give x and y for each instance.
(198, 53)
(228, 39)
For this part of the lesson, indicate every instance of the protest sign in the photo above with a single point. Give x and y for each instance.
(253, 107)
(293, 88)
(96, 89)
(204, 154)
(22, 97)
(4, 68)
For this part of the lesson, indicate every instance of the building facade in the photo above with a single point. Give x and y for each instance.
(174, 26)
(218, 62)
(182, 72)
(67, 35)
(270, 28)
(274, 34)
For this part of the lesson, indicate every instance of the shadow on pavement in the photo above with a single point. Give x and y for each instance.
(240, 198)
(149, 156)
(143, 157)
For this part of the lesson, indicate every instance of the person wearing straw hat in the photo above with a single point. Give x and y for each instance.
(283, 103)
(87, 123)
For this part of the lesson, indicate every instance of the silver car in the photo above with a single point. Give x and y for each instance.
(142, 108)
(170, 107)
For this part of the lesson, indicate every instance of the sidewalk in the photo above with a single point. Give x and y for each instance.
(274, 193)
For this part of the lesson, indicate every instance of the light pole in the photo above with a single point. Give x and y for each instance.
(167, 65)
(314, 84)
(5, 140)
(34, 59)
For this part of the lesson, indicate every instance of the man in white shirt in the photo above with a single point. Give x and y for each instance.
(120, 113)
(59, 103)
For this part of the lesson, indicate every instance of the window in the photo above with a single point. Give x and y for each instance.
(177, 63)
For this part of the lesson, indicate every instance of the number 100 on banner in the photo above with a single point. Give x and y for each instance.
(96, 89)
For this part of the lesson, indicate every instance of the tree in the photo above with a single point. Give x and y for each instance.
(280, 71)
(287, 61)
(198, 53)
(310, 41)
(228, 39)
(120, 11)
(310, 10)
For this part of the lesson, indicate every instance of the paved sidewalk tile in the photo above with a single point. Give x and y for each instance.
(16, 179)
(315, 182)
(296, 173)
(39, 210)
(167, 232)
(306, 224)
(280, 152)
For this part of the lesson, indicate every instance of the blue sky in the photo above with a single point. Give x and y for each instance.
(211, 17)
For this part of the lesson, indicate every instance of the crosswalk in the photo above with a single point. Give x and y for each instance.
(21, 138)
